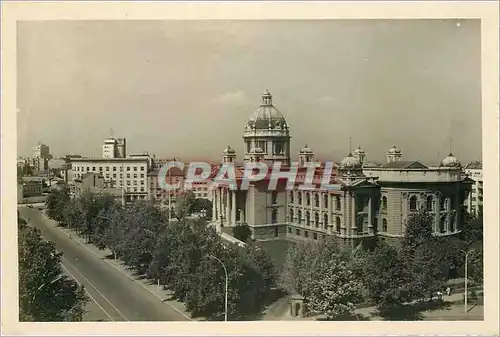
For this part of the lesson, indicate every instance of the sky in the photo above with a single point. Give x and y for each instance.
(187, 88)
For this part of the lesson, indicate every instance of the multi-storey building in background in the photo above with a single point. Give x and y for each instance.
(373, 200)
(475, 199)
(41, 157)
(114, 148)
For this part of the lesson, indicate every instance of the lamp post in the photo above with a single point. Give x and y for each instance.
(43, 285)
(466, 277)
(225, 273)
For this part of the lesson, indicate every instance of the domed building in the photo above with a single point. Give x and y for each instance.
(229, 155)
(268, 130)
(451, 161)
(359, 154)
(306, 155)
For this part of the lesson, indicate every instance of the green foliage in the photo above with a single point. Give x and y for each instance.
(476, 266)
(184, 205)
(56, 202)
(45, 294)
(201, 204)
(242, 232)
(472, 231)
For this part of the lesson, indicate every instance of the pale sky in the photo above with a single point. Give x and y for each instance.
(187, 88)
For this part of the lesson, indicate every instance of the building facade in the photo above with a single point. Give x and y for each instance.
(114, 148)
(373, 200)
(129, 174)
(475, 198)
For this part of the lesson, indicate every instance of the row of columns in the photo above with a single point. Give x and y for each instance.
(224, 206)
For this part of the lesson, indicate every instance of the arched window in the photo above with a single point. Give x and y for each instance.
(299, 216)
(337, 224)
(274, 197)
(384, 225)
(325, 221)
(291, 215)
(325, 201)
(308, 199)
(291, 197)
(442, 204)
(316, 200)
(316, 220)
(429, 203)
(337, 203)
(384, 203)
(452, 223)
(300, 198)
(413, 203)
(308, 218)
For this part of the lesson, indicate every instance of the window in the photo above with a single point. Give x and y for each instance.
(135, 168)
(337, 224)
(135, 182)
(100, 169)
(262, 144)
(308, 218)
(128, 175)
(278, 148)
(135, 189)
(452, 223)
(442, 224)
(413, 203)
(297, 232)
(325, 201)
(308, 199)
(121, 168)
(88, 168)
(274, 197)
(276, 232)
(316, 220)
(325, 221)
(114, 175)
(443, 204)
(274, 216)
(384, 203)
(299, 216)
(142, 189)
(306, 234)
(384, 225)
(107, 168)
(114, 168)
(142, 182)
(128, 182)
(315, 236)
(121, 176)
(142, 175)
(291, 215)
(300, 198)
(93, 168)
(291, 197)
(142, 168)
(337, 203)
(290, 230)
(128, 168)
(429, 203)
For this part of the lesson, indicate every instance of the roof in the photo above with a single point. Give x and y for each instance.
(173, 171)
(475, 165)
(267, 116)
(403, 164)
(98, 159)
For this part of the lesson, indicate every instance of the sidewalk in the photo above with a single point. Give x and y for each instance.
(148, 285)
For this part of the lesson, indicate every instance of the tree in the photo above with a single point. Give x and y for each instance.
(335, 289)
(242, 232)
(202, 204)
(45, 294)
(383, 275)
(184, 205)
(472, 231)
(476, 266)
(56, 202)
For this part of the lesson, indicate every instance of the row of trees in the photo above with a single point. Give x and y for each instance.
(45, 293)
(176, 253)
(333, 280)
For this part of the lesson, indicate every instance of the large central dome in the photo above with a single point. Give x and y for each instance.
(267, 116)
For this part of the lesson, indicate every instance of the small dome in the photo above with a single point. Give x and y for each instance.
(359, 150)
(350, 162)
(394, 150)
(256, 150)
(451, 161)
(306, 149)
(229, 150)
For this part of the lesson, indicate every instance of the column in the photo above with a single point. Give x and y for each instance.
(214, 203)
(330, 218)
(353, 214)
(233, 208)
(322, 225)
(370, 222)
(228, 209)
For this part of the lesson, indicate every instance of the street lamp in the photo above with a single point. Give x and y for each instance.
(43, 285)
(466, 276)
(225, 273)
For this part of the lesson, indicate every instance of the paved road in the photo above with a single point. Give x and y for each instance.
(114, 297)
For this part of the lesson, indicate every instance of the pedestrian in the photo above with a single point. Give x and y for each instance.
(448, 291)
(439, 295)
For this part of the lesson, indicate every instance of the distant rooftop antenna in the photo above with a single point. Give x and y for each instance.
(350, 146)
(451, 145)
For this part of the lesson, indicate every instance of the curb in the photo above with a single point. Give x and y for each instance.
(122, 272)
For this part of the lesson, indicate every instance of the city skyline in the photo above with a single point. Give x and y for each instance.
(194, 75)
